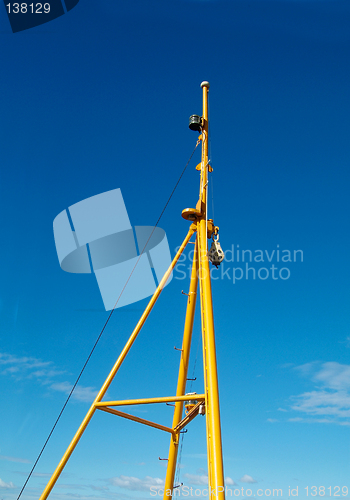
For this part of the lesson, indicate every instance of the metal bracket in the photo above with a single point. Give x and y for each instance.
(199, 167)
(190, 416)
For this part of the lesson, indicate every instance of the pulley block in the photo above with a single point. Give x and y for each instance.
(216, 254)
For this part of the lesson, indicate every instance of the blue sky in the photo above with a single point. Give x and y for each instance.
(99, 99)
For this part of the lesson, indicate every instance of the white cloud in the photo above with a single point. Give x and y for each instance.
(8, 359)
(306, 368)
(317, 421)
(247, 479)
(9, 485)
(334, 375)
(85, 394)
(271, 420)
(196, 479)
(71, 486)
(229, 481)
(136, 484)
(331, 397)
(45, 373)
(324, 402)
(27, 367)
(15, 459)
(36, 474)
(99, 488)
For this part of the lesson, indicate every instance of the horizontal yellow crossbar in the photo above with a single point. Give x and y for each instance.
(170, 399)
(137, 419)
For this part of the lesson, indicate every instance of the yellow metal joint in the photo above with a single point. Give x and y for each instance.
(136, 419)
(189, 417)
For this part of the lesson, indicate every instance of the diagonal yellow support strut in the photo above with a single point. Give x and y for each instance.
(136, 419)
(114, 370)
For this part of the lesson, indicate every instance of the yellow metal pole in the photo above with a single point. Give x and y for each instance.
(182, 378)
(166, 399)
(203, 251)
(216, 472)
(114, 370)
(207, 409)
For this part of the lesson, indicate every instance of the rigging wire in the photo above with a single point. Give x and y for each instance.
(177, 475)
(104, 326)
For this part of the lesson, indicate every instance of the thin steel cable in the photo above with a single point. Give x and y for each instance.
(178, 467)
(104, 326)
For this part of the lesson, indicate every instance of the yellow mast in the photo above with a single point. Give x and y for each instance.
(204, 229)
(215, 463)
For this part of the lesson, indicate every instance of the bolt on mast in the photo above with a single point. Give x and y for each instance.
(204, 229)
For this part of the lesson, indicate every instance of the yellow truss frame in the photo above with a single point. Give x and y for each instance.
(203, 228)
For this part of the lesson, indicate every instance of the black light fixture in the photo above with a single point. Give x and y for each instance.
(195, 123)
